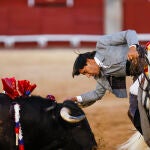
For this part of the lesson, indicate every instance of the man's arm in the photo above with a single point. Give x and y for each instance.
(132, 54)
(124, 37)
(94, 95)
(128, 37)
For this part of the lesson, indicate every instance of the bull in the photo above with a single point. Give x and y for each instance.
(46, 125)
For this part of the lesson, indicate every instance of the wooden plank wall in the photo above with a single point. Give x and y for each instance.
(137, 15)
(85, 17)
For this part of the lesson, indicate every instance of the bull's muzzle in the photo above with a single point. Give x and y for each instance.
(65, 114)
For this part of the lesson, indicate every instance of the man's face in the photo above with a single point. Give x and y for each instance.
(91, 68)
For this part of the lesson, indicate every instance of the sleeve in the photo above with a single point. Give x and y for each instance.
(96, 94)
(124, 37)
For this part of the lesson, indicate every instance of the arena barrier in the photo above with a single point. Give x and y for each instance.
(42, 40)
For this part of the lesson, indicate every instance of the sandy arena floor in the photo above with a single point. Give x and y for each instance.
(51, 70)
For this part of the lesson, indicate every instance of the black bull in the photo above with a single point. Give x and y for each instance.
(42, 125)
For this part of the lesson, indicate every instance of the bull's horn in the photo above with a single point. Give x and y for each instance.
(65, 114)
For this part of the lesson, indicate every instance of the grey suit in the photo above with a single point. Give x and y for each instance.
(111, 50)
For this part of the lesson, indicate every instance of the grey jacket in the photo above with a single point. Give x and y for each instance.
(111, 50)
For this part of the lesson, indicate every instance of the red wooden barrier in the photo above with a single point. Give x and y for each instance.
(136, 15)
(85, 17)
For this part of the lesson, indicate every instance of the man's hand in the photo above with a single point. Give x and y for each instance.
(132, 54)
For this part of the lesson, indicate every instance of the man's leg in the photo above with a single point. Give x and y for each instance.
(133, 105)
(137, 121)
(133, 96)
(133, 112)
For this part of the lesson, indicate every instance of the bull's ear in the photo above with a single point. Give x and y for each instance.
(65, 114)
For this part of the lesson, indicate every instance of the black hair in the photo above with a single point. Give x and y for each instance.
(80, 62)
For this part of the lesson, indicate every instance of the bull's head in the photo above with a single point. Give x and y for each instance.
(69, 108)
(65, 114)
